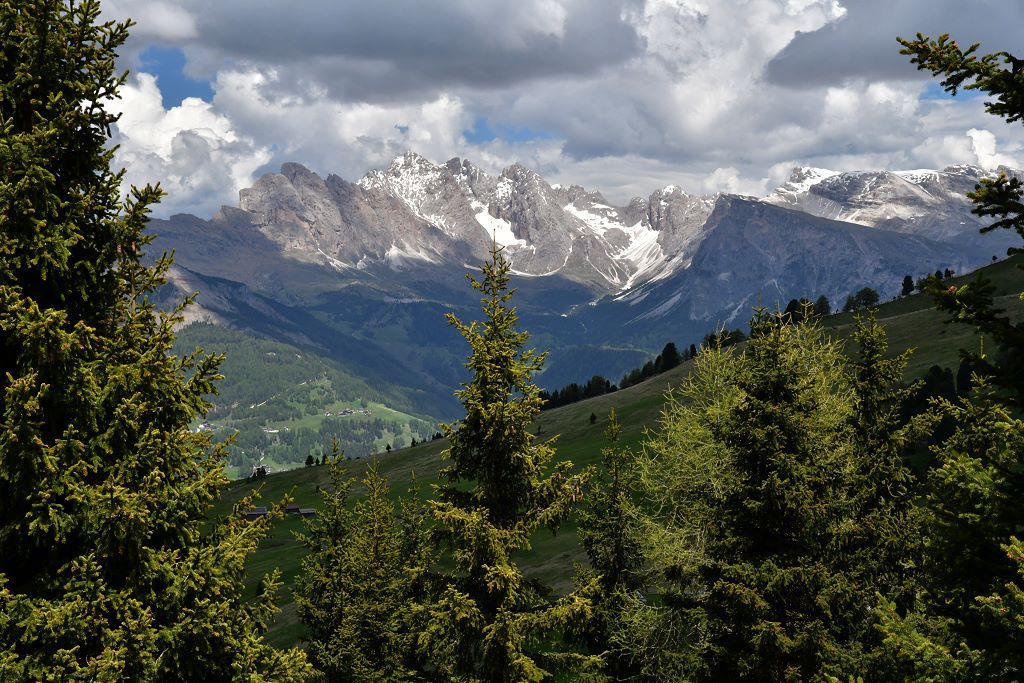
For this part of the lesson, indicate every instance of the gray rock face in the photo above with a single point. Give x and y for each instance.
(339, 223)
(450, 214)
(756, 251)
(364, 271)
(927, 203)
(415, 216)
(758, 254)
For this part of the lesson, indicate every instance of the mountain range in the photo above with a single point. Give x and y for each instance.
(363, 271)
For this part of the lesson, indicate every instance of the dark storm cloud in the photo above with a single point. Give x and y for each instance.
(863, 43)
(379, 51)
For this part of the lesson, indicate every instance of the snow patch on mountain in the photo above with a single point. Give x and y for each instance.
(398, 256)
(497, 228)
(503, 190)
(599, 223)
(441, 223)
(918, 176)
(801, 180)
(644, 253)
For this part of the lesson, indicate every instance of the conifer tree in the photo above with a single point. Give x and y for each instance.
(1001, 76)
(879, 545)
(967, 625)
(684, 472)
(108, 568)
(822, 307)
(609, 531)
(492, 623)
(907, 287)
(775, 607)
(363, 582)
(747, 479)
(883, 547)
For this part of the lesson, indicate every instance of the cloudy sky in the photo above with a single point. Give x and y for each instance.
(621, 96)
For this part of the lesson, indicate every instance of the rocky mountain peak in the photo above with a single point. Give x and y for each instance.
(296, 172)
(464, 168)
(415, 211)
(411, 178)
(582, 197)
(922, 202)
(411, 161)
(802, 179)
(670, 190)
(519, 172)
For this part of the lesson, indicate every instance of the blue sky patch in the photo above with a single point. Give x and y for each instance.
(483, 131)
(935, 91)
(168, 65)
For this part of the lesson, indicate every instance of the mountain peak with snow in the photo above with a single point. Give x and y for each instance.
(416, 211)
(802, 179)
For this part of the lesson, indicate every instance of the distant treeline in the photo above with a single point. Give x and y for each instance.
(669, 358)
(254, 443)
(796, 311)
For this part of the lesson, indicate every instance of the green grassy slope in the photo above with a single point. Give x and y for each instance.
(911, 322)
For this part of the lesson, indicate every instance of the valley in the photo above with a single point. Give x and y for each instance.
(357, 278)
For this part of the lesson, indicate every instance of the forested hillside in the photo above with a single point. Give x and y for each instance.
(282, 405)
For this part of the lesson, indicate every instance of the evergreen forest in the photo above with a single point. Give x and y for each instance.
(799, 511)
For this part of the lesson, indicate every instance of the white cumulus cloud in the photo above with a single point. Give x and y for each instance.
(622, 96)
(983, 144)
(195, 153)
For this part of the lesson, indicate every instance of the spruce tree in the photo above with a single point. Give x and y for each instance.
(609, 531)
(822, 307)
(966, 626)
(775, 607)
(109, 569)
(883, 547)
(907, 286)
(999, 75)
(492, 623)
(363, 583)
(879, 545)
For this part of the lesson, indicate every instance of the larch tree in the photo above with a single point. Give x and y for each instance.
(749, 484)
(684, 473)
(109, 567)
(491, 622)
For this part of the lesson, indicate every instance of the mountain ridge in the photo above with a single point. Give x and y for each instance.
(380, 260)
